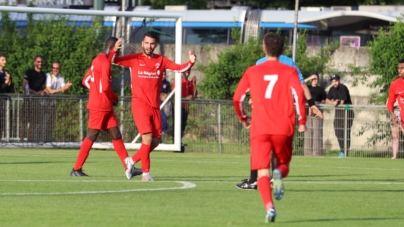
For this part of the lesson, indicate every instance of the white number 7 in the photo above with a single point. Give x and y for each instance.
(272, 81)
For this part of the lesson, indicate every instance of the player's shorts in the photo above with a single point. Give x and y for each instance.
(262, 147)
(147, 119)
(101, 120)
(399, 120)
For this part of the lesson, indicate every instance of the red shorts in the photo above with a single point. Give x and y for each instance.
(262, 147)
(101, 120)
(147, 119)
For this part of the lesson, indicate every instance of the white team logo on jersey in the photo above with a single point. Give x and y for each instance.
(157, 65)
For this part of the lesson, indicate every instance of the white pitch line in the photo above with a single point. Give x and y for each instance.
(185, 185)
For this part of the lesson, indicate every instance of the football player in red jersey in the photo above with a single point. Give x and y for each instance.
(396, 94)
(146, 79)
(100, 106)
(277, 93)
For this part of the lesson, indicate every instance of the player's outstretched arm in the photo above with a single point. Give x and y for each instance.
(178, 68)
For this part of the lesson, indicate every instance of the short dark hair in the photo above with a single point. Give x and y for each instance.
(401, 61)
(273, 44)
(152, 35)
(38, 56)
(315, 73)
(3, 55)
(110, 42)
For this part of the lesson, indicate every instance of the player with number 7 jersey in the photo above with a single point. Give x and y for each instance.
(276, 93)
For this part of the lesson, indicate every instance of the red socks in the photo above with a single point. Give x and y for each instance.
(83, 154)
(264, 187)
(143, 154)
(120, 150)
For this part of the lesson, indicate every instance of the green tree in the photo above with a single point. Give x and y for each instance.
(221, 77)
(386, 50)
(54, 38)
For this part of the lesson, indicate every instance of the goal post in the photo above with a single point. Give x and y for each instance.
(156, 16)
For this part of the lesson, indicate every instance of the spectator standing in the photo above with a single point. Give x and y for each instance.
(55, 83)
(33, 83)
(5, 87)
(166, 110)
(187, 92)
(313, 137)
(338, 95)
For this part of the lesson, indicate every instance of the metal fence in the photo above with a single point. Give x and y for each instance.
(61, 121)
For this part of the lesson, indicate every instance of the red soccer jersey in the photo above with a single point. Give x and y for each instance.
(147, 74)
(274, 87)
(98, 80)
(396, 92)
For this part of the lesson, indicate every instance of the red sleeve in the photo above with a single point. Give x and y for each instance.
(122, 61)
(392, 98)
(87, 78)
(298, 95)
(171, 66)
(106, 83)
(239, 95)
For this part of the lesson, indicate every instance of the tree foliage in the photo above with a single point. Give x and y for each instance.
(386, 50)
(55, 39)
(221, 77)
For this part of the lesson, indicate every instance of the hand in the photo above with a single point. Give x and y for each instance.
(193, 79)
(118, 44)
(336, 102)
(192, 56)
(394, 119)
(163, 96)
(313, 77)
(8, 79)
(316, 112)
(246, 123)
(42, 92)
(302, 128)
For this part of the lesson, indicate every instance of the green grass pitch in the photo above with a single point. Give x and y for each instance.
(194, 189)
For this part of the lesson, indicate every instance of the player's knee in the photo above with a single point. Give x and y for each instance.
(92, 134)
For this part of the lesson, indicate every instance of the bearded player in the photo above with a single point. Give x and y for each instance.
(100, 106)
(275, 90)
(146, 79)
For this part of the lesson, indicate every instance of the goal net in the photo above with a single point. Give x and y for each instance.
(28, 125)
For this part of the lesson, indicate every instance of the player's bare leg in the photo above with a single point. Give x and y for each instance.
(264, 187)
(395, 133)
(85, 148)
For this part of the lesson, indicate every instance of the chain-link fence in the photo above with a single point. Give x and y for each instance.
(212, 127)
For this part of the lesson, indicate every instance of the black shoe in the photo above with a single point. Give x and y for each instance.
(78, 173)
(136, 171)
(246, 185)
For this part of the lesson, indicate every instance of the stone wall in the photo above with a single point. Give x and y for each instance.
(340, 61)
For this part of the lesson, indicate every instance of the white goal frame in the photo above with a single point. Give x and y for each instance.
(176, 146)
